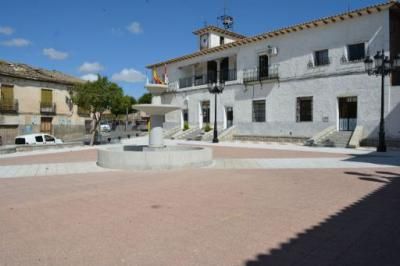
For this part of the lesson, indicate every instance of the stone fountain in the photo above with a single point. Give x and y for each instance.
(155, 155)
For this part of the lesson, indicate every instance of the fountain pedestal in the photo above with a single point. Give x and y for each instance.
(157, 112)
(156, 155)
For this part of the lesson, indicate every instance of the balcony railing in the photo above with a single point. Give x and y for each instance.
(198, 80)
(8, 106)
(260, 74)
(47, 108)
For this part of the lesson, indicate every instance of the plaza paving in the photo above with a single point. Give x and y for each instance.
(256, 205)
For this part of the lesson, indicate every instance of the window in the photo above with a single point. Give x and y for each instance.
(304, 109)
(7, 92)
(259, 111)
(356, 52)
(47, 97)
(6, 96)
(221, 40)
(321, 58)
(39, 139)
(20, 141)
(48, 138)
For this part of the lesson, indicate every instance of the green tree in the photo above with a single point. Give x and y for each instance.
(145, 98)
(133, 100)
(121, 106)
(96, 97)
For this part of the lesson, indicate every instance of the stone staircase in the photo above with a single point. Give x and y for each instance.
(339, 139)
(183, 134)
(195, 135)
(208, 136)
(171, 132)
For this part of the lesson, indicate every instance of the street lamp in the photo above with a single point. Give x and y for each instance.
(216, 88)
(383, 66)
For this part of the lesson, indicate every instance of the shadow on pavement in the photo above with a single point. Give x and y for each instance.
(364, 233)
(389, 158)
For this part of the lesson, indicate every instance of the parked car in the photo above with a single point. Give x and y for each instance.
(105, 127)
(39, 138)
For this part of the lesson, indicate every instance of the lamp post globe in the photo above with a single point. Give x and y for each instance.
(396, 61)
(378, 58)
(369, 64)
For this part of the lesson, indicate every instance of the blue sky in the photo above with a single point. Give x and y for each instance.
(119, 38)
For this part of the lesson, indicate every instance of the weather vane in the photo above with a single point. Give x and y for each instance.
(227, 21)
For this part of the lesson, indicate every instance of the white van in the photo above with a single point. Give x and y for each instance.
(39, 138)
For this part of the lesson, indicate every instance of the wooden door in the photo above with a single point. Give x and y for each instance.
(45, 125)
(8, 134)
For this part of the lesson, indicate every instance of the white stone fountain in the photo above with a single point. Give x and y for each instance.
(156, 155)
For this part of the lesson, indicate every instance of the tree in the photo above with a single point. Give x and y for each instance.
(145, 98)
(123, 106)
(96, 97)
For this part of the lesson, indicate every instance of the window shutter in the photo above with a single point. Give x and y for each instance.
(298, 110)
(7, 94)
(47, 96)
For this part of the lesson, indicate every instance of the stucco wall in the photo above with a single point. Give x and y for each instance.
(325, 84)
(28, 93)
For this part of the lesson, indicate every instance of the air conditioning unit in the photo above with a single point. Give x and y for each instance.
(272, 51)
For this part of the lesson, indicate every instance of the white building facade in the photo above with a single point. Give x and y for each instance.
(292, 82)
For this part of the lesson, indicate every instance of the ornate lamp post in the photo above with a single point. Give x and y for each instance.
(216, 88)
(382, 66)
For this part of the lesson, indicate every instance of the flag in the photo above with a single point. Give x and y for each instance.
(165, 74)
(156, 78)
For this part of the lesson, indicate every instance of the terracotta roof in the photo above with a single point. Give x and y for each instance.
(219, 30)
(25, 71)
(294, 28)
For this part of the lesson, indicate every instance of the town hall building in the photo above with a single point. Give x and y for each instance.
(294, 82)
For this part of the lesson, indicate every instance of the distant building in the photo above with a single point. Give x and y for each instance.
(37, 100)
(291, 82)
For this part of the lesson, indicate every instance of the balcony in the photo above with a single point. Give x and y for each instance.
(9, 106)
(203, 79)
(260, 74)
(48, 108)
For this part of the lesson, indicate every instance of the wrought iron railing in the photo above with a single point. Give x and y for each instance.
(47, 108)
(212, 76)
(8, 106)
(260, 74)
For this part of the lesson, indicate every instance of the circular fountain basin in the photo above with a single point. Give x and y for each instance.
(135, 157)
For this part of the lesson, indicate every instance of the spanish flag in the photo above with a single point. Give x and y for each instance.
(156, 78)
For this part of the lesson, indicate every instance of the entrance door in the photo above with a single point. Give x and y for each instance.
(229, 117)
(263, 67)
(212, 69)
(347, 113)
(45, 125)
(205, 111)
(224, 70)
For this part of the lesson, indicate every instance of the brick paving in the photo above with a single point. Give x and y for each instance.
(201, 216)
